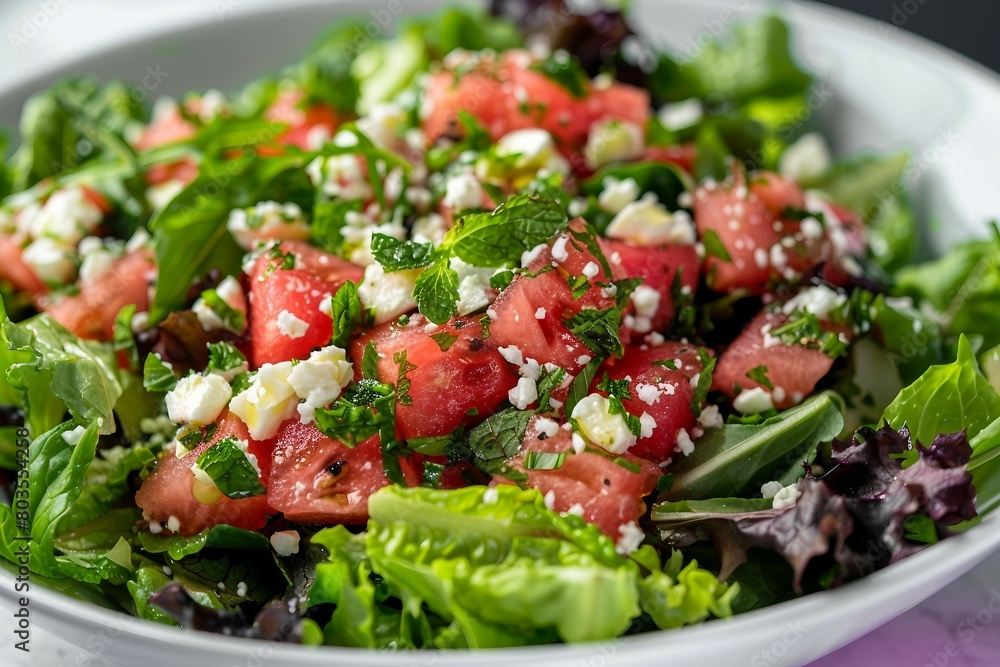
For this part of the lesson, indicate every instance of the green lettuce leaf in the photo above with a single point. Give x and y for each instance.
(736, 459)
(946, 399)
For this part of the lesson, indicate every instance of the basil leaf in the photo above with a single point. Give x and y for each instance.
(369, 363)
(157, 375)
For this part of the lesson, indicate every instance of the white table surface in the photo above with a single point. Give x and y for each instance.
(943, 631)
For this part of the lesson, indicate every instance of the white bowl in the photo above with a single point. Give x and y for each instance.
(884, 89)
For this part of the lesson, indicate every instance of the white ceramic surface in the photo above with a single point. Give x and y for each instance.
(883, 89)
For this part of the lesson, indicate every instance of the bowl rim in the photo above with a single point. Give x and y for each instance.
(919, 572)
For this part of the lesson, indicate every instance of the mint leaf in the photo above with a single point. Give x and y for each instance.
(714, 246)
(396, 255)
(567, 72)
(499, 238)
(436, 292)
(222, 357)
(347, 313)
(498, 439)
(234, 320)
(544, 460)
(156, 375)
(581, 384)
(365, 409)
(598, 329)
(328, 221)
(369, 363)
(228, 466)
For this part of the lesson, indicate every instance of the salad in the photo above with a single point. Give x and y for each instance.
(509, 329)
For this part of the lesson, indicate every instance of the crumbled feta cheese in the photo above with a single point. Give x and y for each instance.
(559, 252)
(710, 417)
(474, 291)
(545, 426)
(231, 292)
(550, 500)
(806, 159)
(267, 221)
(388, 295)
(646, 301)
(96, 258)
(596, 422)
(583, 359)
(429, 228)
(618, 194)
(173, 524)
(512, 353)
(648, 393)
(579, 444)
(340, 175)
(631, 538)
(241, 589)
(786, 497)
(646, 425)
(812, 229)
(590, 270)
(290, 325)
(753, 401)
(771, 489)
(198, 399)
(463, 191)
(267, 402)
(540, 314)
(535, 150)
(211, 104)
(285, 542)
(647, 222)
(614, 141)
(319, 380)
(161, 194)
(681, 115)
(529, 256)
(685, 442)
(524, 394)
(66, 216)
(819, 300)
(383, 124)
(51, 261)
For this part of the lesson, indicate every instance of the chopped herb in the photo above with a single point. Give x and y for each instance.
(230, 469)
(444, 340)
(704, 380)
(369, 363)
(714, 246)
(233, 319)
(759, 375)
(566, 71)
(432, 475)
(347, 312)
(157, 374)
(402, 381)
(224, 357)
(543, 460)
(581, 384)
(598, 329)
(396, 255)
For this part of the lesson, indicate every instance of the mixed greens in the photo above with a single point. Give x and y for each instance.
(509, 329)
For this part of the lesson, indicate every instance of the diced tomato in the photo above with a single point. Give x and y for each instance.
(658, 266)
(461, 385)
(763, 245)
(669, 390)
(300, 292)
(12, 267)
(169, 490)
(532, 311)
(316, 479)
(605, 493)
(683, 155)
(91, 312)
(512, 96)
(793, 370)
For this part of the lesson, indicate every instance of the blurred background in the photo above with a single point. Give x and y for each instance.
(968, 26)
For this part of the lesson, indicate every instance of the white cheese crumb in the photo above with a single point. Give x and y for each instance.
(786, 497)
(617, 194)
(647, 222)
(771, 489)
(753, 401)
(198, 399)
(596, 422)
(559, 252)
(806, 159)
(819, 300)
(646, 425)
(267, 402)
(540, 314)
(319, 380)
(648, 393)
(684, 442)
(524, 394)
(631, 538)
(710, 417)
(285, 542)
(291, 326)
